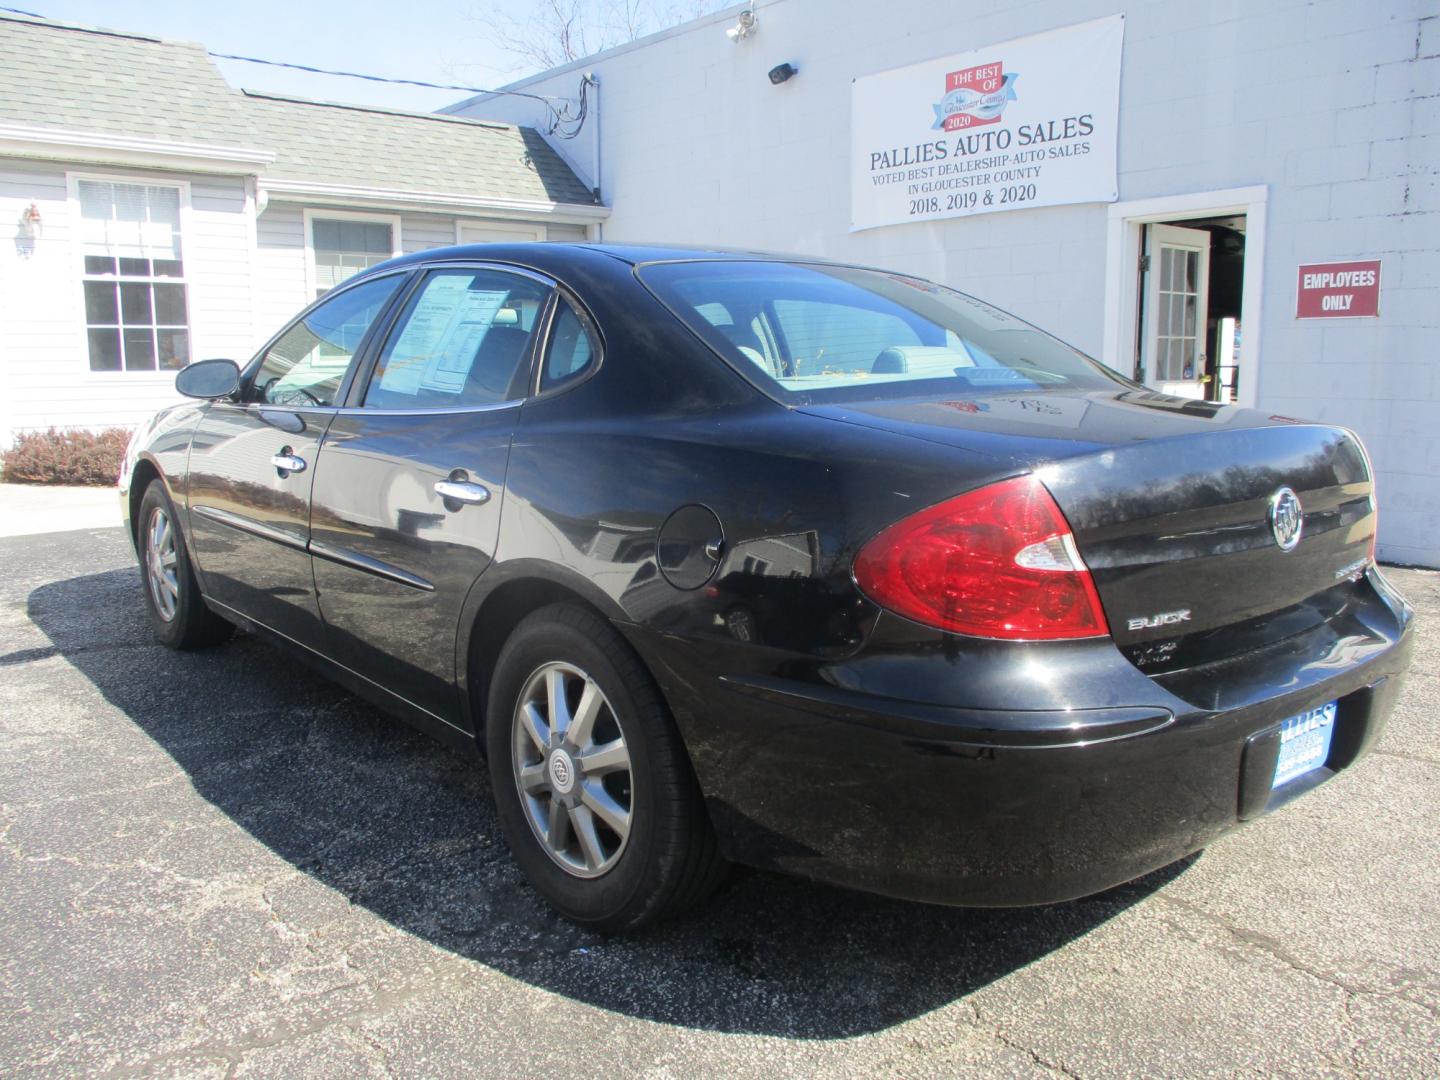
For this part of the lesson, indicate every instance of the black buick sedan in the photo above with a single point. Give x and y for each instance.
(818, 568)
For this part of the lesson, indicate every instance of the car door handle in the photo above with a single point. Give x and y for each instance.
(462, 491)
(287, 462)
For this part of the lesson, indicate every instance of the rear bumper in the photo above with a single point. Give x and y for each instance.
(981, 807)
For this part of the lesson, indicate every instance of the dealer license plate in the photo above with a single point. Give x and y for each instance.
(1304, 743)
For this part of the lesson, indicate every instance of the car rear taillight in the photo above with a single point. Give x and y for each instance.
(997, 562)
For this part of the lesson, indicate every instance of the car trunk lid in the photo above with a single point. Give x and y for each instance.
(1171, 505)
(1186, 537)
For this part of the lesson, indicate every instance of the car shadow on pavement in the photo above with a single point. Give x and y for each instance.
(403, 828)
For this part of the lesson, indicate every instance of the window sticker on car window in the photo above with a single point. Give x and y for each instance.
(437, 347)
(473, 318)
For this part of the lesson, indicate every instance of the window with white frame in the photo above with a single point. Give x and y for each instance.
(136, 309)
(343, 247)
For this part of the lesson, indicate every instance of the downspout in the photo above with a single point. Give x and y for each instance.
(256, 200)
(594, 81)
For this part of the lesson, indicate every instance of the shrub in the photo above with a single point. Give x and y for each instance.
(72, 456)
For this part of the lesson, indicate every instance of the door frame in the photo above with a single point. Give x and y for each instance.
(1123, 239)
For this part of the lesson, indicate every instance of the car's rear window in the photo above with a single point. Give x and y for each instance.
(809, 333)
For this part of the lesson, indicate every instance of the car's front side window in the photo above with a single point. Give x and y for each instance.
(465, 339)
(306, 364)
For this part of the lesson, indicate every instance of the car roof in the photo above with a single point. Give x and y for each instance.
(638, 254)
(543, 255)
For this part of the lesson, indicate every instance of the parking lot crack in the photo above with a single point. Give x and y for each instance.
(1272, 948)
(92, 794)
(993, 1031)
(374, 1051)
(235, 1053)
(1034, 1055)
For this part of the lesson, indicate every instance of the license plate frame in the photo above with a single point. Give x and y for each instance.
(1304, 743)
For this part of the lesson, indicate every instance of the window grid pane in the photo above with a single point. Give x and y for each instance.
(101, 307)
(136, 310)
(139, 350)
(1177, 330)
(344, 248)
(130, 220)
(135, 307)
(104, 348)
(170, 305)
(173, 347)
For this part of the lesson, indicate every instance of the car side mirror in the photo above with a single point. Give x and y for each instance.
(209, 379)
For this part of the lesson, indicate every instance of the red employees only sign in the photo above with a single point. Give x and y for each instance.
(1341, 290)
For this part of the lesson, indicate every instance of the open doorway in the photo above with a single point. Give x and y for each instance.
(1183, 293)
(1192, 276)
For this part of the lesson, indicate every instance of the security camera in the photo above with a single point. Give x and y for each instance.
(744, 26)
(781, 72)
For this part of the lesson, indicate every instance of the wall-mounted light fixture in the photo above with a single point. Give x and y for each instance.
(782, 73)
(744, 26)
(27, 232)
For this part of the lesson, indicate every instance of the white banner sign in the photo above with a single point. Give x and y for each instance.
(1029, 122)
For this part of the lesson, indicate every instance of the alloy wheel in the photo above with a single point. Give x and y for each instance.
(162, 573)
(572, 769)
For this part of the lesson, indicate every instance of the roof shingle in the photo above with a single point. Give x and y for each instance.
(85, 79)
(79, 79)
(330, 143)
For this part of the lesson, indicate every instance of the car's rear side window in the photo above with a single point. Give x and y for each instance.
(573, 347)
(464, 339)
(816, 333)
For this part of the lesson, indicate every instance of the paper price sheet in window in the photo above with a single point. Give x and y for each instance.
(438, 345)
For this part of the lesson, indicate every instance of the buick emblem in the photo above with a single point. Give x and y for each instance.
(1286, 518)
(562, 772)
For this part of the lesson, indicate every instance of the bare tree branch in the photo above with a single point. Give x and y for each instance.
(556, 32)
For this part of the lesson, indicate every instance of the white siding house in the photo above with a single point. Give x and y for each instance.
(152, 216)
(1298, 131)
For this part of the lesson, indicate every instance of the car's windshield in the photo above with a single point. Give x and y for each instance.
(814, 333)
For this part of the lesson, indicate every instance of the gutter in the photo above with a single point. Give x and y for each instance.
(271, 189)
(60, 144)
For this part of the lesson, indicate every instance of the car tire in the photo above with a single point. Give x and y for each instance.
(667, 860)
(176, 610)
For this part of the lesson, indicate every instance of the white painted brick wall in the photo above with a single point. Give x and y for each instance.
(1334, 105)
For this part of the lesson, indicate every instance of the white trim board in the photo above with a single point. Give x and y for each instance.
(1122, 261)
(23, 140)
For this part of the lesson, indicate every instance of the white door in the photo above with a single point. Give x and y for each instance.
(1176, 302)
(492, 232)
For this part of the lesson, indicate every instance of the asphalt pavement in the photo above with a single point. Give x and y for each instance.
(218, 864)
